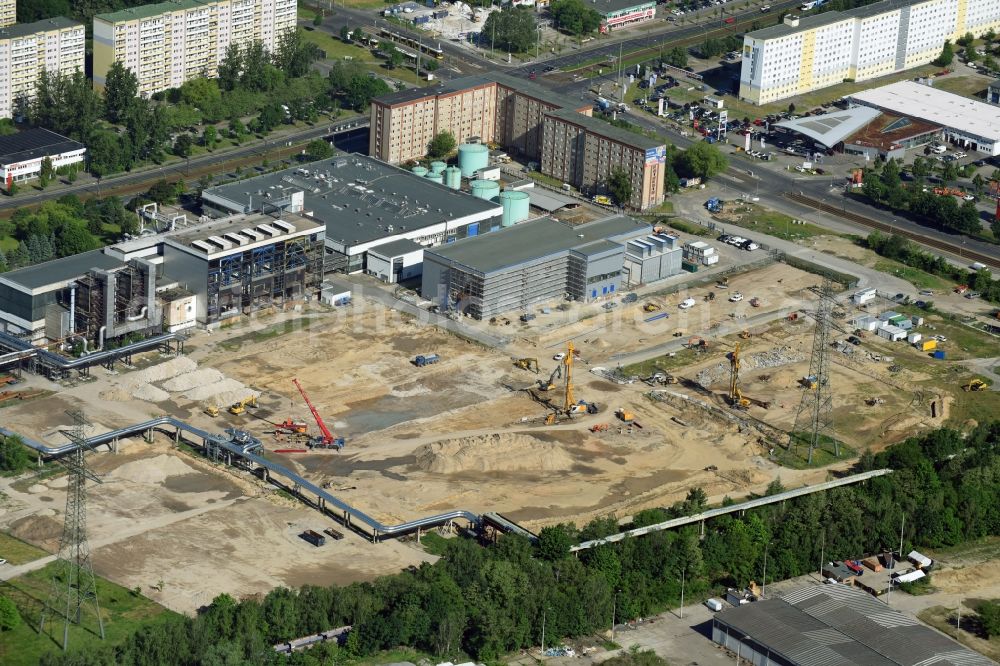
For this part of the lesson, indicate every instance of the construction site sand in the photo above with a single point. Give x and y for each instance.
(152, 470)
(224, 391)
(190, 380)
(163, 371)
(499, 452)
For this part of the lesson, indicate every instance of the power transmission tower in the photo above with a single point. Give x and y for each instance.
(814, 418)
(73, 583)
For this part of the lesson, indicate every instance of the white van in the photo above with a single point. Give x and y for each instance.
(714, 605)
(977, 266)
(939, 149)
(687, 304)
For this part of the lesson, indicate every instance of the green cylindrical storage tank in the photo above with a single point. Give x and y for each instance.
(472, 157)
(485, 189)
(419, 170)
(515, 207)
(438, 167)
(453, 177)
(436, 177)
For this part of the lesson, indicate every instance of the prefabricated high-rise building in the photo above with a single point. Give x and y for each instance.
(54, 45)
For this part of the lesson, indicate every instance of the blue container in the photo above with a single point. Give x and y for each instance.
(657, 316)
(939, 355)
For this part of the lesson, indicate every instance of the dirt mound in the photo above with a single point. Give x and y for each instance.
(150, 393)
(163, 371)
(37, 529)
(492, 453)
(220, 391)
(152, 470)
(190, 380)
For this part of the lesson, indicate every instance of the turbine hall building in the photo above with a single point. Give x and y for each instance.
(834, 625)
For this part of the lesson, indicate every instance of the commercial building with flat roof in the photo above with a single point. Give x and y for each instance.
(363, 204)
(617, 14)
(21, 154)
(863, 130)
(834, 625)
(969, 123)
(54, 45)
(168, 43)
(812, 52)
(530, 263)
(525, 119)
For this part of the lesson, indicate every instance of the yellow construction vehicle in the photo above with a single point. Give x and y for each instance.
(238, 408)
(652, 307)
(736, 398)
(551, 383)
(976, 385)
(625, 415)
(745, 335)
(527, 364)
(212, 411)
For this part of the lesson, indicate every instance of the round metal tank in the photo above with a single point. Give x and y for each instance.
(515, 207)
(419, 170)
(472, 157)
(436, 177)
(453, 177)
(438, 167)
(485, 189)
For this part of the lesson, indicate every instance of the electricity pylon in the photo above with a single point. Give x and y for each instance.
(73, 583)
(814, 418)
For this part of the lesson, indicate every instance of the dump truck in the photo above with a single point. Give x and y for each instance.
(975, 385)
(426, 359)
(212, 411)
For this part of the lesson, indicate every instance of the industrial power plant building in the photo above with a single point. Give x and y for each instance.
(550, 129)
(813, 52)
(544, 260)
(830, 624)
(168, 43)
(202, 274)
(363, 204)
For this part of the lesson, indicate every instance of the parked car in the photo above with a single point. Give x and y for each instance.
(736, 297)
(854, 340)
(686, 304)
(560, 356)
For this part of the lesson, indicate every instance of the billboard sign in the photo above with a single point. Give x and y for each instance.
(656, 155)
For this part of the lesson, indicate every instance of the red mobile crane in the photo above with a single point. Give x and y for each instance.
(327, 440)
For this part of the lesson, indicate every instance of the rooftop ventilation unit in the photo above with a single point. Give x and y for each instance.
(285, 226)
(268, 229)
(252, 233)
(203, 246)
(221, 242)
(239, 239)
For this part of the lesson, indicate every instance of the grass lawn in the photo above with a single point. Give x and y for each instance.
(123, 612)
(981, 406)
(548, 180)
(16, 551)
(779, 225)
(679, 359)
(918, 278)
(433, 543)
(944, 620)
(8, 244)
(798, 458)
(690, 228)
(336, 49)
(973, 85)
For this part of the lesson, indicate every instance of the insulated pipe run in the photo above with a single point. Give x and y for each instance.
(141, 315)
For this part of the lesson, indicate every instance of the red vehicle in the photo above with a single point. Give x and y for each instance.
(731, 19)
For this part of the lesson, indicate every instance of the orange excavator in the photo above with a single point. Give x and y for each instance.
(327, 440)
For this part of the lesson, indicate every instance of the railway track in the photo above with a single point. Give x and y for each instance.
(917, 237)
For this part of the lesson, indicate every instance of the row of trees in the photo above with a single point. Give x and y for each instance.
(903, 251)
(883, 184)
(512, 29)
(574, 17)
(488, 602)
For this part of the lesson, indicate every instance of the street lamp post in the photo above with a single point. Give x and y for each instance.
(543, 631)
(763, 587)
(614, 610)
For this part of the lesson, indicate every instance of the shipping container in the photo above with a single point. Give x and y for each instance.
(938, 354)
(872, 563)
(426, 359)
(315, 538)
(689, 267)
(337, 536)
(928, 345)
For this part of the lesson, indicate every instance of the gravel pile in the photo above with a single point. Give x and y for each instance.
(190, 380)
(773, 358)
(163, 371)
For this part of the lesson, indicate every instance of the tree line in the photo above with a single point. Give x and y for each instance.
(486, 602)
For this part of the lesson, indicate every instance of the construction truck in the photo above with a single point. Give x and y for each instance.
(426, 359)
(527, 364)
(652, 307)
(212, 411)
(327, 440)
(976, 385)
(625, 415)
(290, 426)
(238, 408)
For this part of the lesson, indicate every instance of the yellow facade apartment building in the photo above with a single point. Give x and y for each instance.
(168, 43)
(55, 45)
(8, 13)
(813, 52)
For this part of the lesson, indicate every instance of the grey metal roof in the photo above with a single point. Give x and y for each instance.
(357, 197)
(59, 272)
(548, 201)
(531, 241)
(832, 128)
(597, 247)
(827, 18)
(606, 129)
(33, 143)
(46, 25)
(522, 85)
(605, 7)
(838, 625)
(396, 248)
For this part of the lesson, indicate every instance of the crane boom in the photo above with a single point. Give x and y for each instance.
(328, 438)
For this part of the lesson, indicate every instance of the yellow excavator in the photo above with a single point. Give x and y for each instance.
(551, 383)
(976, 385)
(736, 398)
(651, 307)
(238, 408)
(527, 364)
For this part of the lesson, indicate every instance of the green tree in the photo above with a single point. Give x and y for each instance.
(209, 137)
(295, 55)
(318, 149)
(947, 55)
(163, 192)
(555, 541)
(9, 617)
(345, 33)
(677, 56)
(574, 17)
(441, 145)
(966, 40)
(393, 56)
(671, 182)
(989, 63)
(120, 91)
(701, 160)
(14, 455)
(183, 144)
(989, 618)
(230, 67)
(318, 19)
(511, 29)
(620, 186)
(105, 155)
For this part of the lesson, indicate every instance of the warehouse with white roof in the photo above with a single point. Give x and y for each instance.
(969, 123)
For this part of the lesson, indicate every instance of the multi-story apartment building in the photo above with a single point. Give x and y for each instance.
(169, 43)
(8, 13)
(516, 114)
(54, 45)
(813, 52)
(583, 151)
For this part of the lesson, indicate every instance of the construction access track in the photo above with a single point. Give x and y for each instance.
(915, 236)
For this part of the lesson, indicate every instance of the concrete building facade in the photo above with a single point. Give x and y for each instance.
(814, 52)
(168, 43)
(8, 13)
(54, 45)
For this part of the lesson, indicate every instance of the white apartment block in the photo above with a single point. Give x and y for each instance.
(54, 45)
(169, 43)
(8, 13)
(813, 52)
